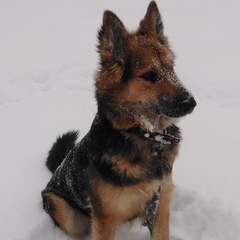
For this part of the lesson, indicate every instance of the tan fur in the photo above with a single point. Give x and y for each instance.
(121, 122)
(121, 164)
(120, 204)
(74, 223)
(125, 167)
(121, 201)
(145, 55)
(104, 227)
(161, 224)
(169, 154)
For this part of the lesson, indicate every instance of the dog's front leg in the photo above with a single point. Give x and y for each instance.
(160, 229)
(103, 228)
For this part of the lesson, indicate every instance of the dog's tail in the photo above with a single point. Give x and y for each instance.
(60, 149)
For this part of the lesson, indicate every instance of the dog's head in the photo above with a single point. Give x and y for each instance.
(136, 84)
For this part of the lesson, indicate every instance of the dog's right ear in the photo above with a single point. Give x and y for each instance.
(111, 38)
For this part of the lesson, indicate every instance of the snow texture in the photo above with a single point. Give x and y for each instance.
(48, 59)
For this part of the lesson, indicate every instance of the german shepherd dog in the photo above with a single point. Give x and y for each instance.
(122, 169)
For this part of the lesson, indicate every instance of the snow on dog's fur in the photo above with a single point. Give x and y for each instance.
(116, 172)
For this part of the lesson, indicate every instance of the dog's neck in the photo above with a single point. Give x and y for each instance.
(164, 138)
(156, 123)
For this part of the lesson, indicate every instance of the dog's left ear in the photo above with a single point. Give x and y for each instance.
(111, 38)
(152, 23)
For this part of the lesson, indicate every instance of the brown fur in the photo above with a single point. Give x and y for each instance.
(145, 55)
(120, 202)
(117, 170)
(69, 220)
(161, 224)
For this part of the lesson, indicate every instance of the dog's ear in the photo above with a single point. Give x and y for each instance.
(111, 38)
(152, 23)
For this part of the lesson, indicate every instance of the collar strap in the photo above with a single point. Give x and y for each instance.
(165, 138)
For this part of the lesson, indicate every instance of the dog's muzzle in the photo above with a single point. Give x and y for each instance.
(174, 106)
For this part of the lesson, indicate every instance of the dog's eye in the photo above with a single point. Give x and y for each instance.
(151, 76)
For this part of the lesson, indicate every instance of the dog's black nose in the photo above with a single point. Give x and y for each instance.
(187, 105)
(174, 106)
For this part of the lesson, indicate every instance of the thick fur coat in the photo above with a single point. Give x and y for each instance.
(122, 169)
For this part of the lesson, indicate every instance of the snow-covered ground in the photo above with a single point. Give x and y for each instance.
(47, 60)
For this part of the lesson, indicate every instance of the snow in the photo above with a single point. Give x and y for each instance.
(48, 59)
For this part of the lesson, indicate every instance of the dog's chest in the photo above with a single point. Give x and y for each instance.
(129, 201)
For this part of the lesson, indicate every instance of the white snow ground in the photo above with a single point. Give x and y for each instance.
(47, 60)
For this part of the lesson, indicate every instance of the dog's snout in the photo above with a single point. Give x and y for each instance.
(175, 106)
(187, 105)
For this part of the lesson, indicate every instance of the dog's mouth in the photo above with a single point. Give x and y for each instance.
(173, 107)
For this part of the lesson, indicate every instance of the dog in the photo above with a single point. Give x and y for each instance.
(122, 169)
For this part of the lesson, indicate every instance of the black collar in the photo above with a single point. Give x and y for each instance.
(165, 138)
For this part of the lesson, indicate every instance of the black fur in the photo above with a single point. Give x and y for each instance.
(60, 149)
(128, 68)
(106, 142)
(88, 158)
(115, 156)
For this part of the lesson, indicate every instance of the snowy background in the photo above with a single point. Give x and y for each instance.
(47, 61)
